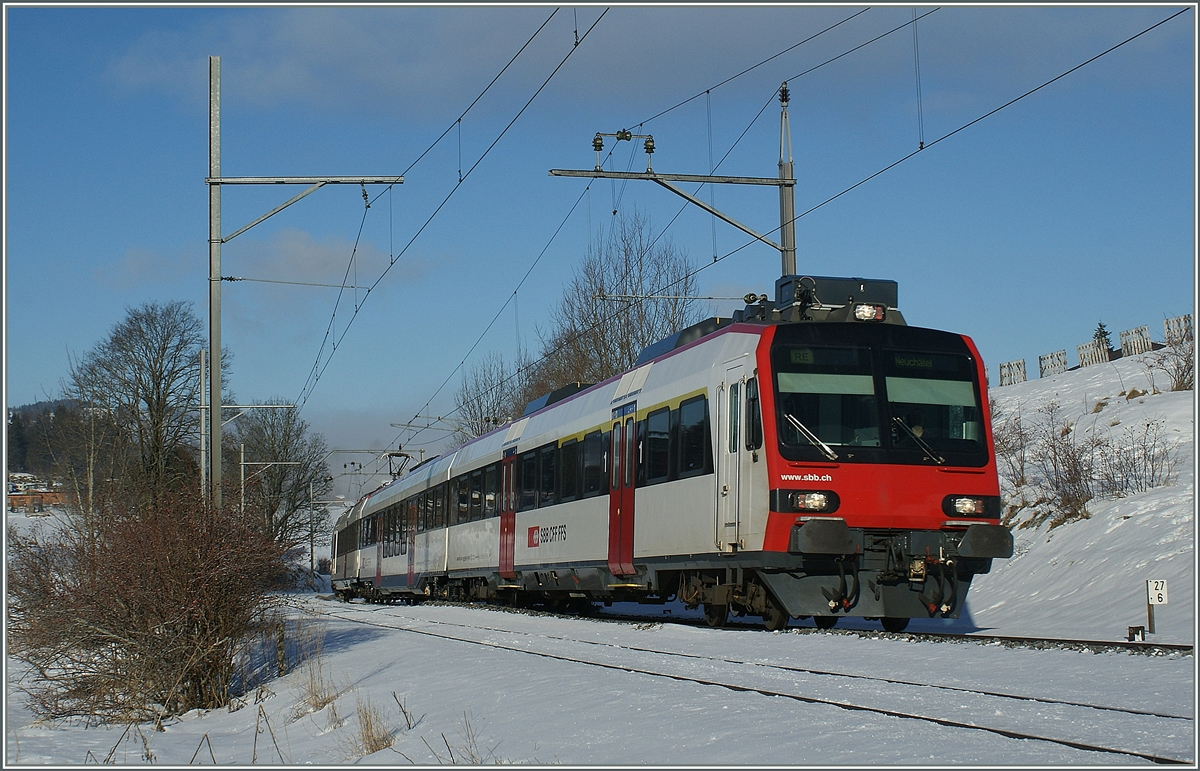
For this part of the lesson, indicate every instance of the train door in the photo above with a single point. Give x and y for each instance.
(622, 453)
(731, 401)
(508, 514)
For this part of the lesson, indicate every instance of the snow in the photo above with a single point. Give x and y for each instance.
(492, 685)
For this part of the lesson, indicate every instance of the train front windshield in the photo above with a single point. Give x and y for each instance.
(878, 404)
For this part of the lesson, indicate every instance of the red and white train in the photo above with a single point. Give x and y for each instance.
(809, 458)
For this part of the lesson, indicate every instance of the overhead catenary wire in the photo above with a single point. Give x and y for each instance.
(616, 201)
(616, 204)
(319, 369)
(606, 319)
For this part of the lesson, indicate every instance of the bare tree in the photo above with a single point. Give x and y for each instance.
(144, 377)
(630, 291)
(278, 495)
(490, 395)
(80, 445)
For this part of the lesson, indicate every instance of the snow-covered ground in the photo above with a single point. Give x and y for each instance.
(496, 686)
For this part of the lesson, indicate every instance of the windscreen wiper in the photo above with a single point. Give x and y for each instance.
(810, 436)
(938, 459)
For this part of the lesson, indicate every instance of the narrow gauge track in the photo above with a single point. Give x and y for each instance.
(355, 615)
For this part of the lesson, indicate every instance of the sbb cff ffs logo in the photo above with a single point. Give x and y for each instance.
(540, 534)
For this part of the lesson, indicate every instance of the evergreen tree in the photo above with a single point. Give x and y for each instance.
(1101, 335)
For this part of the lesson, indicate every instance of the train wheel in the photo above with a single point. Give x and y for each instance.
(825, 622)
(715, 615)
(892, 624)
(774, 617)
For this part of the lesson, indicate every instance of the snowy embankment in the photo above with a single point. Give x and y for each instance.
(1086, 579)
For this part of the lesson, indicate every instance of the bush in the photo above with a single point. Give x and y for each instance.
(1177, 360)
(1140, 461)
(1066, 462)
(1067, 469)
(141, 614)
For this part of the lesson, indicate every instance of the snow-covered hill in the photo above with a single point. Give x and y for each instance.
(1086, 579)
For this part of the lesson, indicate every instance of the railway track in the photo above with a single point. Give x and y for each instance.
(1009, 641)
(994, 712)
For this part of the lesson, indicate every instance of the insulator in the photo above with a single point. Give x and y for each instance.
(649, 145)
(783, 94)
(597, 142)
(625, 134)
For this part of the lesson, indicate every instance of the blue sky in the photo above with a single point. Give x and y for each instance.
(1071, 206)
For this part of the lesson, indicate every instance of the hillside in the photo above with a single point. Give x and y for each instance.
(1086, 578)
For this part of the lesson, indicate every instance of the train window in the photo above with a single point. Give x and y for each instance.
(593, 464)
(490, 478)
(614, 452)
(693, 436)
(568, 488)
(439, 505)
(476, 495)
(826, 399)
(462, 498)
(629, 451)
(754, 430)
(656, 459)
(931, 398)
(735, 414)
(549, 475)
(528, 478)
(414, 513)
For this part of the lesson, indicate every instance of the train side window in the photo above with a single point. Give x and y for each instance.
(439, 505)
(693, 436)
(568, 488)
(476, 495)
(461, 498)
(549, 475)
(529, 481)
(593, 464)
(490, 479)
(614, 454)
(754, 429)
(657, 455)
(640, 431)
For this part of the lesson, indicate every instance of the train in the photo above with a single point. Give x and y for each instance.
(812, 457)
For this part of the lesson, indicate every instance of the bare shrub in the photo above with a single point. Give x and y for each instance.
(1012, 439)
(467, 751)
(1177, 360)
(1141, 460)
(1066, 461)
(142, 616)
(373, 731)
(317, 688)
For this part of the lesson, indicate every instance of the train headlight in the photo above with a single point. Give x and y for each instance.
(810, 501)
(960, 505)
(805, 501)
(864, 312)
(968, 506)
